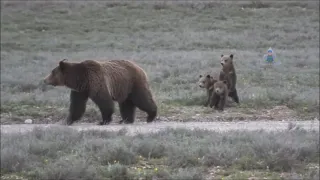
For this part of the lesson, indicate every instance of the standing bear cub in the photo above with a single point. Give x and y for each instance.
(228, 74)
(104, 82)
(219, 95)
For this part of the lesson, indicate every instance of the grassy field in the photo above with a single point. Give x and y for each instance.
(173, 42)
(64, 153)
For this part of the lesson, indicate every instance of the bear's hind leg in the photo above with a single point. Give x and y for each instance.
(127, 111)
(234, 96)
(144, 101)
(78, 101)
(106, 106)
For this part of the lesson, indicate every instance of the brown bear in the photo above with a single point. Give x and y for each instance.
(207, 82)
(219, 95)
(228, 74)
(104, 82)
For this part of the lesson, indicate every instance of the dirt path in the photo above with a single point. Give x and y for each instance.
(153, 127)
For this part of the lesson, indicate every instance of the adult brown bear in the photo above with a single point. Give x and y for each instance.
(104, 82)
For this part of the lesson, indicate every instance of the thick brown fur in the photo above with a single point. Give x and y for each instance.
(219, 95)
(207, 82)
(104, 82)
(228, 73)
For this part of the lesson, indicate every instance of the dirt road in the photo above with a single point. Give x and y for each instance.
(153, 127)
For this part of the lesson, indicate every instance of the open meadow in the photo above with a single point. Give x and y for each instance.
(174, 42)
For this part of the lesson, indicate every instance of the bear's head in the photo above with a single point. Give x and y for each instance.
(220, 87)
(56, 77)
(69, 74)
(206, 81)
(226, 60)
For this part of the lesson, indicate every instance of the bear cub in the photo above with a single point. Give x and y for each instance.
(219, 95)
(228, 74)
(207, 83)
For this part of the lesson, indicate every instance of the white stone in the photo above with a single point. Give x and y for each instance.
(28, 121)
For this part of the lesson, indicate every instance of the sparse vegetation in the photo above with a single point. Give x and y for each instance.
(64, 153)
(173, 42)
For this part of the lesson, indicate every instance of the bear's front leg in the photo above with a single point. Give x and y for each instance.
(208, 101)
(78, 101)
(216, 105)
(214, 100)
(222, 103)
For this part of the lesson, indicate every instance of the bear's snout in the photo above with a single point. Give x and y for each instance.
(201, 85)
(46, 80)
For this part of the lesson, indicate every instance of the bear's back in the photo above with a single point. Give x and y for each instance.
(121, 76)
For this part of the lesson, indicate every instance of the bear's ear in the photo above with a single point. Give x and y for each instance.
(224, 81)
(200, 76)
(62, 64)
(221, 55)
(231, 56)
(208, 76)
